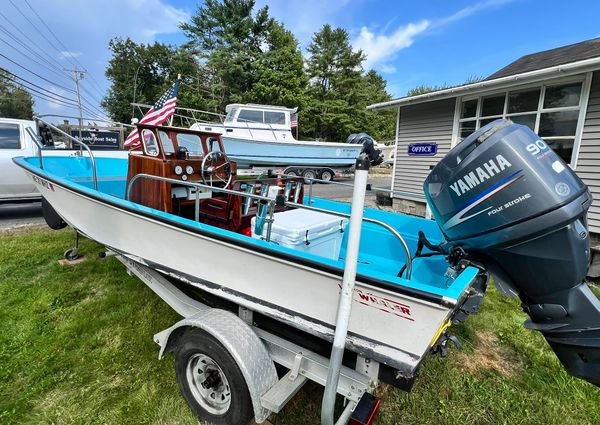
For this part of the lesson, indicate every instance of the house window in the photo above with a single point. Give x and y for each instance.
(551, 110)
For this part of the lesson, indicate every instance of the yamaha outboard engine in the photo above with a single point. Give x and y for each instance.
(375, 156)
(503, 198)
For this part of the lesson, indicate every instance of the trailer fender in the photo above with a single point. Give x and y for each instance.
(243, 344)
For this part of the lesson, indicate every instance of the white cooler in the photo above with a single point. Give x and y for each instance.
(308, 231)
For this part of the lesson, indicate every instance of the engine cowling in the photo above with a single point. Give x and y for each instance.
(507, 200)
(375, 155)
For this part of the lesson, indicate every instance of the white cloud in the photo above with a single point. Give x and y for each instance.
(465, 12)
(306, 17)
(387, 68)
(380, 48)
(64, 54)
(56, 105)
(84, 29)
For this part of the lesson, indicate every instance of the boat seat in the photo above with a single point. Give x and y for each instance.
(231, 212)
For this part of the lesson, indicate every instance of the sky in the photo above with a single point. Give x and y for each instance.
(410, 43)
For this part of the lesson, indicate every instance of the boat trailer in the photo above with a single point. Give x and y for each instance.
(255, 351)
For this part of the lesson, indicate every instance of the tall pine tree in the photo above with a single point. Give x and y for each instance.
(279, 77)
(229, 39)
(339, 92)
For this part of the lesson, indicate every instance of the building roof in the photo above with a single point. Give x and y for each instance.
(562, 61)
(548, 58)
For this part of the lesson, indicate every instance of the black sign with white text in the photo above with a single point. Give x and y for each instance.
(99, 139)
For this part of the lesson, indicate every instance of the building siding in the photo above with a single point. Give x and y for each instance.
(426, 122)
(588, 162)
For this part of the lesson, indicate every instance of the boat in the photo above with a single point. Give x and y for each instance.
(178, 209)
(260, 136)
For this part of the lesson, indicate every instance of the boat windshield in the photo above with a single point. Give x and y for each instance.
(231, 115)
(191, 142)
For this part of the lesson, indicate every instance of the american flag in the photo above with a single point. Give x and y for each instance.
(294, 121)
(158, 114)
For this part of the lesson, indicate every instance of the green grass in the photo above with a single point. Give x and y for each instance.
(76, 348)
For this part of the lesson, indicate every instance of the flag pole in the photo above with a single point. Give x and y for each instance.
(173, 116)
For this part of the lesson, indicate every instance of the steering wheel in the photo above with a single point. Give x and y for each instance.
(216, 165)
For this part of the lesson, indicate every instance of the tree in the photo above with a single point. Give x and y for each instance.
(380, 125)
(229, 39)
(334, 72)
(15, 102)
(339, 92)
(424, 88)
(279, 77)
(142, 73)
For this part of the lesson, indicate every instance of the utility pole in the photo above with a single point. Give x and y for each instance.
(78, 74)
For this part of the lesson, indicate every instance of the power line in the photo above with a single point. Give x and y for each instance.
(41, 94)
(43, 78)
(39, 87)
(92, 106)
(46, 94)
(32, 59)
(66, 53)
(37, 75)
(31, 41)
(33, 25)
(66, 50)
(26, 47)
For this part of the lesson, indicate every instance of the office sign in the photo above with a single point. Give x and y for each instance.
(99, 139)
(422, 149)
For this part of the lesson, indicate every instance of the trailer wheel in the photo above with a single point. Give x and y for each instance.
(51, 217)
(291, 173)
(327, 175)
(309, 174)
(211, 381)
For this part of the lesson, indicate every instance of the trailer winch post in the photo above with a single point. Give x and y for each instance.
(344, 309)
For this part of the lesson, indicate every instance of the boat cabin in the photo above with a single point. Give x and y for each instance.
(172, 159)
(249, 114)
(257, 122)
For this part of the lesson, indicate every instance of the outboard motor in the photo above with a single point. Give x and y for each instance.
(504, 199)
(375, 156)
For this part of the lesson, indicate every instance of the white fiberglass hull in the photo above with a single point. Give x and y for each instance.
(385, 325)
(255, 146)
(253, 152)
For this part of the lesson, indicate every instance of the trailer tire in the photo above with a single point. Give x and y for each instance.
(327, 175)
(291, 172)
(51, 217)
(308, 175)
(227, 399)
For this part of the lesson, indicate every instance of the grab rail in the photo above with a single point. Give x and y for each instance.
(80, 143)
(272, 203)
(370, 188)
(37, 142)
(428, 214)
